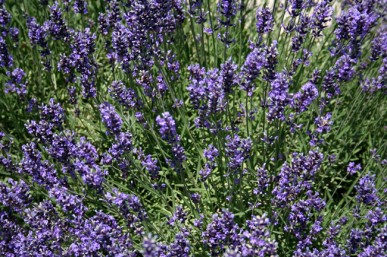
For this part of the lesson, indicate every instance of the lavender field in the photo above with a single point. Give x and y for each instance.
(178, 128)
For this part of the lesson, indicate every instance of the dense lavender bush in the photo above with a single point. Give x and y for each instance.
(193, 128)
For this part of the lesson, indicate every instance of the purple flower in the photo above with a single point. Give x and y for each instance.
(181, 245)
(237, 150)
(125, 96)
(366, 191)
(263, 181)
(199, 222)
(208, 91)
(15, 83)
(206, 171)
(5, 18)
(6, 60)
(227, 10)
(80, 6)
(16, 196)
(196, 11)
(150, 165)
(145, 23)
(265, 21)
(98, 235)
(61, 147)
(37, 35)
(304, 98)
(215, 93)
(323, 123)
(195, 197)
(14, 33)
(330, 244)
(141, 119)
(330, 86)
(179, 215)
(177, 103)
(374, 154)
(123, 144)
(352, 168)
(297, 6)
(379, 47)
(255, 62)
(85, 151)
(173, 65)
(161, 85)
(42, 171)
(301, 213)
(52, 116)
(382, 75)
(271, 62)
(296, 176)
(210, 153)
(375, 84)
(110, 118)
(110, 19)
(197, 87)
(5, 157)
(120, 43)
(70, 204)
(45, 228)
(42, 130)
(167, 127)
(355, 22)
(10, 231)
(344, 66)
(146, 81)
(129, 206)
(278, 97)
(53, 112)
(179, 157)
(230, 77)
(376, 216)
(297, 42)
(321, 14)
(83, 46)
(91, 174)
(302, 29)
(56, 24)
(355, 238)
(256, 238)
(81, 60)
(32, 105)
(221, 232)
(151, 248)
(84, 162)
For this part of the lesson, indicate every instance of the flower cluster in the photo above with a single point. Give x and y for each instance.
(296, 177)
(168, 132)
(237, 150)
(210, 153)
(209, 90)
(15, 83)
(124, 96)
(221, 232)
(265, 20)
(193, 128)
(304, 98)
(278, 97)
(110, 118)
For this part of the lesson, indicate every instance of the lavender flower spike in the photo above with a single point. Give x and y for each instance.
(110, 118)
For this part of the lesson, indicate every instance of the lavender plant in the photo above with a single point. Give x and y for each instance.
(193, 128)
